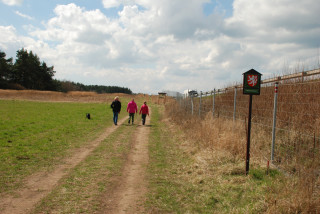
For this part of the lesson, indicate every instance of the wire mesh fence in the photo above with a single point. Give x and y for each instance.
(288, 116)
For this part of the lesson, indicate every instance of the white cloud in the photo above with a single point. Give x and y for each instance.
(24, 15)
(274, 21)
(12, 2)
(8, 37)
(111, 3)
(156, 45)
(10, 42)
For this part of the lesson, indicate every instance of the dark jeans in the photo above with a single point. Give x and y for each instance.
(144, 119)
(115, 117)
(131, 117)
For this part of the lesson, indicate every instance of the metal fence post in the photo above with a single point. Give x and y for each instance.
(214, 99)
(192, 104)
(200, 103)
(274, 119)
(235, 104)
(183, 103)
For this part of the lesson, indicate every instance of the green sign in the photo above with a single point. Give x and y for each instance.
(251, 82)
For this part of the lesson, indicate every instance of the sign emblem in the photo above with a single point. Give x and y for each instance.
(252, 80)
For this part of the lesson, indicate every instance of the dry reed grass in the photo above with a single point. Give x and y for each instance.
(297, 149)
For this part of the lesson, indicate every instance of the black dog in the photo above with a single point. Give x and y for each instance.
(88, 116)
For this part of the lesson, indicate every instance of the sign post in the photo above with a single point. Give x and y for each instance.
(251, 86)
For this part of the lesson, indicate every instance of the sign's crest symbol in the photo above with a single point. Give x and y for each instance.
(252, 80)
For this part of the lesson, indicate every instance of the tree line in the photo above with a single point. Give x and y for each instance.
(66, 86)
(28, 72)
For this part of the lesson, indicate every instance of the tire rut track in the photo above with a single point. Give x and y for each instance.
(38, 185)
(129, 189)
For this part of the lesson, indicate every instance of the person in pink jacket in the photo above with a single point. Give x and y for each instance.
(132, 109)
(145, 111)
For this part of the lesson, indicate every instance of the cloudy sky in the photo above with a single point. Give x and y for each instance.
(150, 46)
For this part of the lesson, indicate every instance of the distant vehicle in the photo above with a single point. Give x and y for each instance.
(190, 93)
(193, 93)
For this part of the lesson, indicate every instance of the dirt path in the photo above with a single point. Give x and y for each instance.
(128, 193)
(41, 184)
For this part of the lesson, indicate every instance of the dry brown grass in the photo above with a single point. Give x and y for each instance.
(297, 152)
(74, 96)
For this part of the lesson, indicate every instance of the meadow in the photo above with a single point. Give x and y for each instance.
(196, 165)
(37, 135)
(42, 131)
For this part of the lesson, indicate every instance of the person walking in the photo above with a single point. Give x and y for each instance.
(132, 109)
(144, 110)
(116, 108)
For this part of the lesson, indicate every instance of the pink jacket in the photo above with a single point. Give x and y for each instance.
(132, 107)
(144, 109)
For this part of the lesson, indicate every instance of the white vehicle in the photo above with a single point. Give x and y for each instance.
(190, 93)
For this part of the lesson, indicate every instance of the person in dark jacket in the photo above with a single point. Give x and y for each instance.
(116, 107)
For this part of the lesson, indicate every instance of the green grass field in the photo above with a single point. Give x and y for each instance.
(86, 185)
(37, 135)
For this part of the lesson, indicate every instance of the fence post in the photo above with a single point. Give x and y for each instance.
(186, 105)
(192, 105)
(235, 104)
(211, 94)
(274, 119)
(214, 99)
(200, 104)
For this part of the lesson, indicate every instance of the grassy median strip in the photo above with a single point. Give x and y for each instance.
(184, 179)
(165, 188)
(37, 135)
(82, 189)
